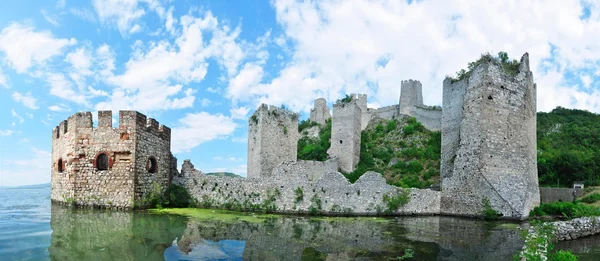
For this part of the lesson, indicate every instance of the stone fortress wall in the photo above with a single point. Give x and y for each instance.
(106, 166)
(272, 139)
(346, 125)
(489, 142)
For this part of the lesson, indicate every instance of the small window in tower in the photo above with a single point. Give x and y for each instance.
(102, 162)
(60, 166)
(152, 165)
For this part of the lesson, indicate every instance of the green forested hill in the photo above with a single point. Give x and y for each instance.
(224, 174)
(568, 147)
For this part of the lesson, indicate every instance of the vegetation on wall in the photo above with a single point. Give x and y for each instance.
(567, 210)
(511, 67)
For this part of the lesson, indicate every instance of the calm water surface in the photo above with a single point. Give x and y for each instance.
(32, 229)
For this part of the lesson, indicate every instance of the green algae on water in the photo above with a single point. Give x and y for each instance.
(215, 214)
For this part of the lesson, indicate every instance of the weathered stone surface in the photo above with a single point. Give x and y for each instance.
(345, 134)
(576, 228)
(411, 95)
(489, 142)
(272, 139)
(304, 187)
(320, 113)
(76, 146)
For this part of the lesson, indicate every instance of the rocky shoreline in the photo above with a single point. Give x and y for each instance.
(576, 228)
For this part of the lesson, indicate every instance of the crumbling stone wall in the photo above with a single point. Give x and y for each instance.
(429, 116)
(320, 113)
(76, 147)
(291, 190)
(365, 116)
(345, 134)
(489, 142)
(272, 139)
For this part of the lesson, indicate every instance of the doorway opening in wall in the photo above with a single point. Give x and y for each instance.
(152, 165)
(102, 162)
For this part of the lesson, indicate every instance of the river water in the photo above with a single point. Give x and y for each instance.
(33, 229)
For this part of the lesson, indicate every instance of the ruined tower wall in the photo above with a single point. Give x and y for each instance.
(272, 139)
(153, 147)
(411, 94)
(345, 134)
(365, 116)
(81, 182)
(320, 113)
(489, 142)
(78, 145)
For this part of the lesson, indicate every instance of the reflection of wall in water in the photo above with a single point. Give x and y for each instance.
(430, 237)
(82, 234)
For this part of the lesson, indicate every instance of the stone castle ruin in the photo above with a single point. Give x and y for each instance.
(488, 155)
(106, 166)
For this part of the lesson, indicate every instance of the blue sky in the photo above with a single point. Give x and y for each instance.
(201, 67)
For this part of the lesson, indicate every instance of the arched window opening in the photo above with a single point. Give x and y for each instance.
(152, 165)
(102, 162)
(60, 166)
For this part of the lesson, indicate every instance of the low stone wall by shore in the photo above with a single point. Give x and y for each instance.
(576, 228)
(296, 188)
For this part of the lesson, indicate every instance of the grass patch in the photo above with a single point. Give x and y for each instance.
(591, 198)
(215, 214)
(567, 210)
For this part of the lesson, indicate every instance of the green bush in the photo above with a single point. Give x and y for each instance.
(177, 197)
(591, 198)
(315, 149)
(488, 212)
(394, 201)
(408, 129)
(391, 125)
(566, 209)
(305, 124)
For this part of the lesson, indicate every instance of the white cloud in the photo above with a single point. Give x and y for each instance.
(33, 47)
(60, 4)
(205, 102)
(17, 116)
(3, 81)
(29, 115)
(84, 14)
(32, 170)
(125, 13)
(27, 100)
(239, 113)
(587, 80)
(136, 28)
(4, 133)
(197, 128)
(156, 72)
(61, 87)
(339, 47)
(52, 19)
(58, 108)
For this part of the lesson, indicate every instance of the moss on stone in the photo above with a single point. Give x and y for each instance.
(215, 214)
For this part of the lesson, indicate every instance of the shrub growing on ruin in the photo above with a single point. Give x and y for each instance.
(395, 201)
(315, 149)
(510, 67)
(305, 124)
(488, 212)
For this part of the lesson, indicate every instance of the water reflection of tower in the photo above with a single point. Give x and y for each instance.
(88, 234)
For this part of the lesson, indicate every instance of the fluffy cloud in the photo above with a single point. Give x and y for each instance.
(16, 116)
(27, 100)
(58, 108)
(239, 113)
(3, 81)
(34, 47)
(156, 73)
(125, 13)
(4, 133)
(196, 128)
(339, 47)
